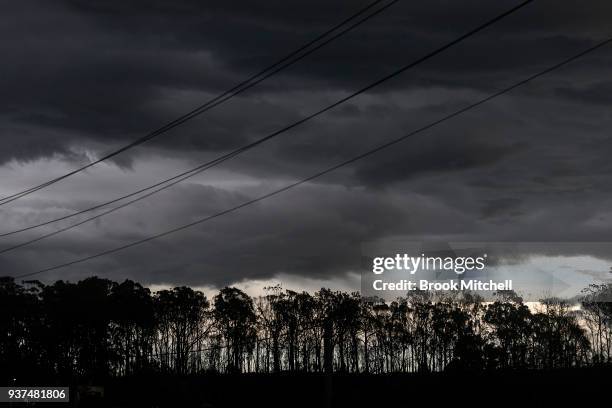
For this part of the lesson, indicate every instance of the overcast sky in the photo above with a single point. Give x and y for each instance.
(80, 78)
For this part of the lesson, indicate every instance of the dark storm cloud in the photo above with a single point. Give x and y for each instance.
(506, 206)
(100, 71)
(82, 77)
(282, 235)
(460, 153)
(597, 93)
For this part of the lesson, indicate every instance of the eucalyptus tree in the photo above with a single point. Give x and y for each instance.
(235, 318)
(596, 312)
(133, 326)
(182, 323)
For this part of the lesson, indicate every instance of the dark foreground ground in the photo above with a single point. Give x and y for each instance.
(530, 388)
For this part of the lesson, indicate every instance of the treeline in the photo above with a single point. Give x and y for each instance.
(98, 328)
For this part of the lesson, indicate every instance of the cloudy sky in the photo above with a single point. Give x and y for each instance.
(82, 77)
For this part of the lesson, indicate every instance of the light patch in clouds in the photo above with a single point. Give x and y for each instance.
(348, 282)
(537, 277)
(540, 276)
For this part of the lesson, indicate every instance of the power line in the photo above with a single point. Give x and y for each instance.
(253, 80)
(167, 183)
(359, 22)
(329, 169)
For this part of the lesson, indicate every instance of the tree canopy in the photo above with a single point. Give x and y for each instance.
(97, 328)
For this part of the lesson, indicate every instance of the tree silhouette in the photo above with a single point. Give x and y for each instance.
(235, 318)
(597, 314)
(96, 328)
(181, 316)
